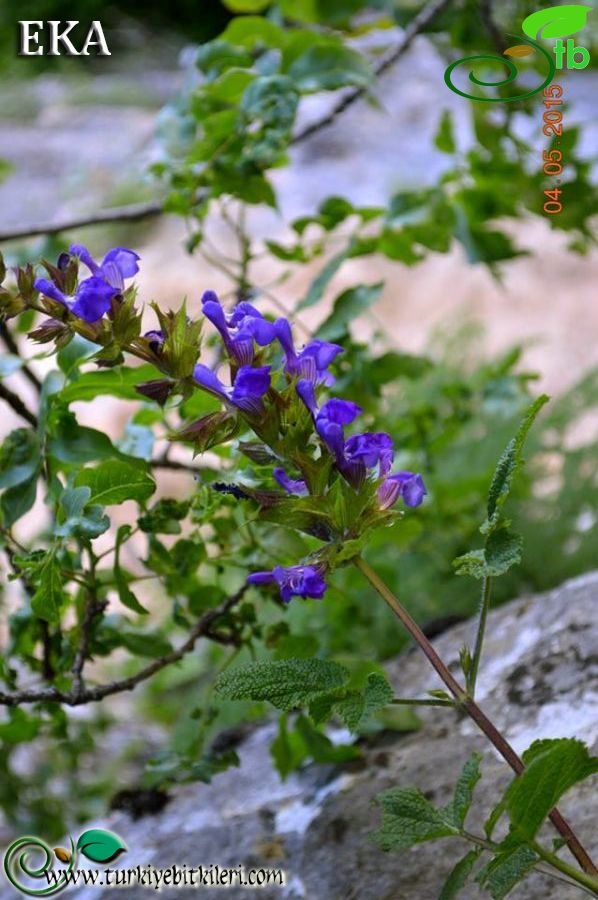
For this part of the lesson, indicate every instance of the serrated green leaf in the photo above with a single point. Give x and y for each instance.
(409, 819)
(511, 460)
(357, 706)
(459, 875)
(502, 551)
(100, 845)
(552, 767)
(506, 870)
(49, 596)
(115, 481)
(469, 777)
(285, 683)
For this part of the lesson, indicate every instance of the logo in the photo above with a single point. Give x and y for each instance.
(554, 22)
(97, 844)
(29, 43)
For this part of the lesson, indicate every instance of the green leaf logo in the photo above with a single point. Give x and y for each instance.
(556, 21)
(100, 846)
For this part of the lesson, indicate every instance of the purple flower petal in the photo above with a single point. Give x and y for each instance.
(340, 411)
(307, 392)
(49, 289)
(293, 581)
(85, 256)
(124, 260)
(292, 485)
(209, 380)
(92, 299)
(250, 386)
(371, 449)
(409, 485)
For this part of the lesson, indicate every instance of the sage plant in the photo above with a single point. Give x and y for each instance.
(323, 474)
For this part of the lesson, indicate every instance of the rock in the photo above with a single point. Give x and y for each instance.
(538, 679)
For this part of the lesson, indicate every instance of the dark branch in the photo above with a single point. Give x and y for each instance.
(133, 213)
(139, 211)
(202, 628)
(12, 347)
(17, 405)
(416, 26)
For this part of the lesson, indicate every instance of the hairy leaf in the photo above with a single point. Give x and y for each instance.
(285, 683)
(469, 777)
(459, 875)
(409, 819)
(506, 870)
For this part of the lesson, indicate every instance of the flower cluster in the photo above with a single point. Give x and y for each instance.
(245, 333)
(272, 399)
(94, 295)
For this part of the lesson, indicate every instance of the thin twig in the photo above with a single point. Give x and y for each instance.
(17, 405)
(94, 694)
(424, 18)
(132, 213)
(12, 347)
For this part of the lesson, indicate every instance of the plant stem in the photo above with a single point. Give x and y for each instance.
(472, 709)
(472, 676)
(589, 881)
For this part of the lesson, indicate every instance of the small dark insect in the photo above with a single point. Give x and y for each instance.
(233, 489)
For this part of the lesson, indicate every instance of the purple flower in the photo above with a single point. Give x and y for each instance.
(370, 449)
(117, 265)
(243, 327)
(407, 485)
(293, 581)
(94, 295)
(155, 339)
(92, 299)
(312, 362)
(246, 394)
(292, 485)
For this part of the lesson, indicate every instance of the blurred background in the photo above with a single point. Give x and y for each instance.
(464, 337)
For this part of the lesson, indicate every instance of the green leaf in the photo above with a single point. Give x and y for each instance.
(469, 777)
(347, 306)
(409, 819)
(100, 846)
(511, 460)
(125, 594)
(322, 280)
(18, 500)
(49, 596)
(445, 138)
(329, 66)
(19, 457)
(115, 480)
(552, 767)
(502, 551)
(556, 21)
(76, 351)
(285, 683)
(118, 382)
(459, 875)
(357, 706)
(146, 643)
(80, 521)
(506, 870)
(73, 443)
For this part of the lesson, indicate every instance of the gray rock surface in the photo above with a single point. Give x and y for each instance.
(539, 678)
